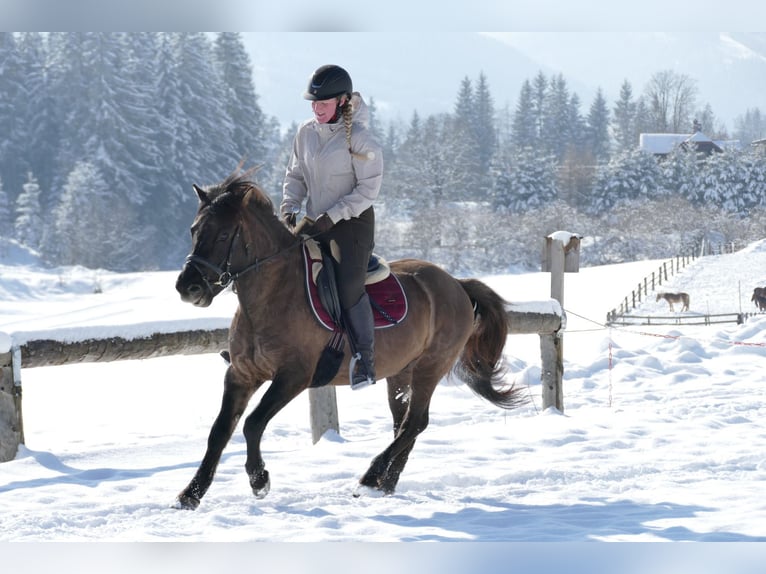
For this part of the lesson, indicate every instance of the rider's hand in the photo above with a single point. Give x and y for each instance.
(289, 219)
(322, 224)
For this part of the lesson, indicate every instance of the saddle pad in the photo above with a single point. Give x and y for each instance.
(389, 303)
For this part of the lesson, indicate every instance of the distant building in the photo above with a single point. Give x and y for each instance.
(662, 144)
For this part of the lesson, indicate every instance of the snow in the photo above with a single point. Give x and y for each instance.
(662, 436)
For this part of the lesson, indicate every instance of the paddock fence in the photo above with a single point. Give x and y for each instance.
(667, 269)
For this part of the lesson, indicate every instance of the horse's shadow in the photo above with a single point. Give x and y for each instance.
(91, 477)
(491, 521)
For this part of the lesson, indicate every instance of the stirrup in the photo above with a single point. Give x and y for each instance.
(366, 382)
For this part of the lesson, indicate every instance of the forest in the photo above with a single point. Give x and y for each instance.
(103, 135)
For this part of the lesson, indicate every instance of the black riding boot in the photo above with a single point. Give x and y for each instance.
(361, 326)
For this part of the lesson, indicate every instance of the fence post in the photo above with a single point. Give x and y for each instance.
(11, 422)
(561, 254)
(323, 407)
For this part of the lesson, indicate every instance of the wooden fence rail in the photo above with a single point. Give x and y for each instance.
(544, 318)
(628, 320)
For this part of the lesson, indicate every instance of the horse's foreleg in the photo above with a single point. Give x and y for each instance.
(274, 399)
(233, 404)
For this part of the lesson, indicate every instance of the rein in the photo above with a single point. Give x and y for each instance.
(225, 276)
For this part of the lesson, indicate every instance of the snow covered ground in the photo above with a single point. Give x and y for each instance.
(662, 437)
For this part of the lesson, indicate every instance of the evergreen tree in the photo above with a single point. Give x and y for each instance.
(680, 174)
(598, 127)
(403, 178)
(71, 87)
(484, 124)
(538, 111)
(558, 131)
(210, 154)
(732, 181)
(84, 231)
(240, 99)
(528, 183)
(624, 119)
(643, 121)
(750, 126)
(42, 136)
(524, 130)
(6, 215)
(12, 99)
(29, 221)
(632, 175)
(460, 134)
(172, 136)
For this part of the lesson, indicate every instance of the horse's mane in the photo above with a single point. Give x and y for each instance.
(228, 194)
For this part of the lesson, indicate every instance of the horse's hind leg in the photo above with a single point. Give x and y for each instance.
(410, 412)
(233, 404)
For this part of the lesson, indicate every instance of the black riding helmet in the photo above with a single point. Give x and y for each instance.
(328, 82)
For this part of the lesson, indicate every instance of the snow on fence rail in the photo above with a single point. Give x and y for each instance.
(545, 318)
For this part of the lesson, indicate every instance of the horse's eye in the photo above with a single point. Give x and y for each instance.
(223, 236)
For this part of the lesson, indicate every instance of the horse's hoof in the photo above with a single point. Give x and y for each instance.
(261, 484)
(186, 502)
(362, 490)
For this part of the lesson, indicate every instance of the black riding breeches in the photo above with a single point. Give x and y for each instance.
(355, 239)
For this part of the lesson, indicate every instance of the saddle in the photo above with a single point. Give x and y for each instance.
(387, 297)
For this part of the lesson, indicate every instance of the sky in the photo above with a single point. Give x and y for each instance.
(661, 438)
(305, 15)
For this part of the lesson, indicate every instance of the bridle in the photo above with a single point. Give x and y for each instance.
(225, 275)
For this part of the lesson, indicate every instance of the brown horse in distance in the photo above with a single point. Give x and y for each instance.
(452, 325)
(759, 298)
(675, 298)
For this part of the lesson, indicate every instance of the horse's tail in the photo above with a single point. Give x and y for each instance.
(481, 366)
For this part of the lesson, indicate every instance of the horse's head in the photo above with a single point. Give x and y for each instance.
(207, 270)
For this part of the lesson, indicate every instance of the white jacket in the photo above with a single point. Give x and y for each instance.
(322, 172)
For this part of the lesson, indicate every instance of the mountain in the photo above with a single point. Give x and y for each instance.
(409, 71)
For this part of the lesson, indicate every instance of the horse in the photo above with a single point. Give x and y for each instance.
(452, 327)
(675, 298)
(759, 298)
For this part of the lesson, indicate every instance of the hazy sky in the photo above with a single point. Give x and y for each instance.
(393, 15)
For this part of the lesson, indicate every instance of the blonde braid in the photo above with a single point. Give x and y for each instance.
(348, 113)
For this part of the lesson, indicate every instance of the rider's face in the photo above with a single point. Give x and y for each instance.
(324, 110)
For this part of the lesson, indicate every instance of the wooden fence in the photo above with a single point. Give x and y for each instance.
(627, 320)
(543, 318)
(649, 284)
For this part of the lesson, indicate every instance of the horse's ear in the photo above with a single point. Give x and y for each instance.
(201, 194)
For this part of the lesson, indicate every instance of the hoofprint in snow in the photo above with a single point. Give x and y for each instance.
(661, 438)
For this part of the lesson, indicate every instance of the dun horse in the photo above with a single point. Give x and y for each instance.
(451, 325)
(675, 298)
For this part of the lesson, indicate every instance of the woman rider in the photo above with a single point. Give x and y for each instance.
(336, 166)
